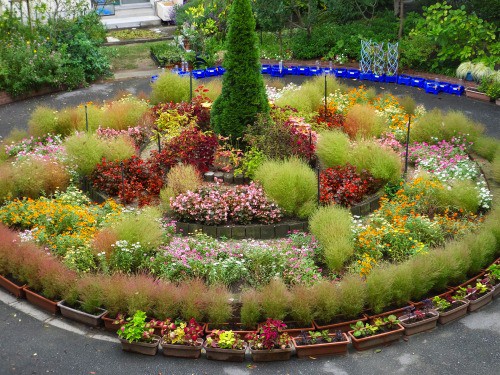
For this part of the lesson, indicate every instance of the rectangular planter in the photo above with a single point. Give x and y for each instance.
(419, 326)
(478, 95)
(369, 342)
(146, 348)
(238, 328)
(109, 323)
(480, 302)
(323, 349)
(342, 326)
(81, 316)
(42, 302)
(451, 315)
(182, 351)
(271, 355)
(294, 327)
(226, 355)
(13, 288)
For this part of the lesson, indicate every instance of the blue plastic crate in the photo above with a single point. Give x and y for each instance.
(291, 70)
(367, 76)
(341, 73)
(183, 73)
(199, 73)
(456, 89)
(211, 72)
(303, 70)
(378, 77)
(431, 87)
(329, 71)
(391, 79)
(220, 70)
(353, 73)
(315, 71)
(266, 69)
(154, 78)
(404, 79)
(277, 72)
(444, 86)
(418, 82)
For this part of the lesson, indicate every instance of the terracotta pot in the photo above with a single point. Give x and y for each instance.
(342, 326)
(227, 355)
(109, 323)
(93, 320)
(481, 301)
(423, 325)
(182, 351)
(42, 302)
(146, 348)
(376, 340)
(12, 287)
(271, 355)
(323, 349)
(456, 313)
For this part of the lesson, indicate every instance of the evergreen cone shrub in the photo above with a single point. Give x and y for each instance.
(243, 94)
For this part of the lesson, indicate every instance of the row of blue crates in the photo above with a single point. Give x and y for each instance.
(430, 86)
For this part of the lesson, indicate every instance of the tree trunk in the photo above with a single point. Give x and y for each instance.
(401, 18)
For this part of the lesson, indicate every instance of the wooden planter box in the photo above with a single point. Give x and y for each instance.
(93, 320)
(109, 325)
(42, 302)
(13, 288)
(146, 348)
(419, 326)
(182, 351)
(454, 314)
(474, 94)
(376, 340)
(271, 355)
(342, 326)
(323, 349)
(481, 301)
(226, 355)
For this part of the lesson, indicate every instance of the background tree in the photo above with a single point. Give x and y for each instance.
(272, 15)
(243, 94)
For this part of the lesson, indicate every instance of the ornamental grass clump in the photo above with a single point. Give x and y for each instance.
(180, 179)
(123, 113)
(170, 87)
(362, 122)
(302, 304)
(291, 184)
(460, 196)
(332, 227)
(326, 300)
(218, 304)
(250, 313)
(382, 163)
(166, 300)
(351, 294)
(332, 148)
(495, 166)
(192, 299)
(486, 147)
(275, 299)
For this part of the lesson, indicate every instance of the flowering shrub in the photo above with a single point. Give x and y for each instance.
(216, 204)
(182, 333)
(138, 134)
(343, 185)
(269, 336)
(302, 137)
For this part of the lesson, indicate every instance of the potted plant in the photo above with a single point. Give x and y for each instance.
(493, 276)
(479, 295)
(270, 343)
(464, 70)
(137, 335)
(182, 339)
(379, 331)
(419, 320)
(227, 346)
(450, 308)
(490, 85)
(320, 343)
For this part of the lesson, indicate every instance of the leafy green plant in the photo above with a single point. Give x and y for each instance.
(361, 329)
(136, 329)
(225, 340)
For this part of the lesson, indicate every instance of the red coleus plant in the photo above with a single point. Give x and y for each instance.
(330, 119)
(269, 336)
(182, 333)
(345, 186)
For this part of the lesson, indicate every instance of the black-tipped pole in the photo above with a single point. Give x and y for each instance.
(158, 139)
(86, 119)
(325, 96)
(123, 180)
(407, 144)
(319, 180)
(190, 86)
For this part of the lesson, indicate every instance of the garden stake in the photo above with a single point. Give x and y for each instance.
(407, 143)
(325, 96)
(317, 173)
(123, 180)
(191, 86)
(159, 142)
(86, 119)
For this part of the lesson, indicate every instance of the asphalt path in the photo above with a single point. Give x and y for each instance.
(17, 114)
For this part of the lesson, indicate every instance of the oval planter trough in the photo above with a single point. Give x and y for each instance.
(42, 302)
(423, 325)
(480, 302)
(12, 287)
(271, 355)
(146, 348)
(496, 290)
(182, 351)
(456, 313)
(109, 324)
(323, 349)
(93, 320)
(226, 355)
(376, 340)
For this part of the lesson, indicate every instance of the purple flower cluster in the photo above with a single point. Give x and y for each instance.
(218, 204)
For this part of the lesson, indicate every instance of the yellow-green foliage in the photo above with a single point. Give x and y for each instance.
(332, 226)
(291, 184)
(351, 294)
(332, 148)
(362, 122)
(460, 195)
(170, 87)
(326, 300)
(302, 302)
(142, 226)
(382, 163)
(214, 87)
(180, 179)
(119, 148)
(123, 113)
(308, 98)
(436, 125)
(495, 166)
(274, 299)
(43, 121)
(486, 147)
(219, 307)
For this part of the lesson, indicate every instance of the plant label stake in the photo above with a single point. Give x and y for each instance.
(159, 142)
(191, 86)
(407, 144)
(123, 181)
(86, 119)
(319, 180)
(325, 96)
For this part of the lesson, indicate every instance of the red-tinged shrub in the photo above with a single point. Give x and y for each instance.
(331, 120)
(343, 185)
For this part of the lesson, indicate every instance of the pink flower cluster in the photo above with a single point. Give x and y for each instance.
(218, 204)
(138, 134)
(48, 147)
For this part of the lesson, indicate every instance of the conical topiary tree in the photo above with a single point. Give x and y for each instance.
(243, 94)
